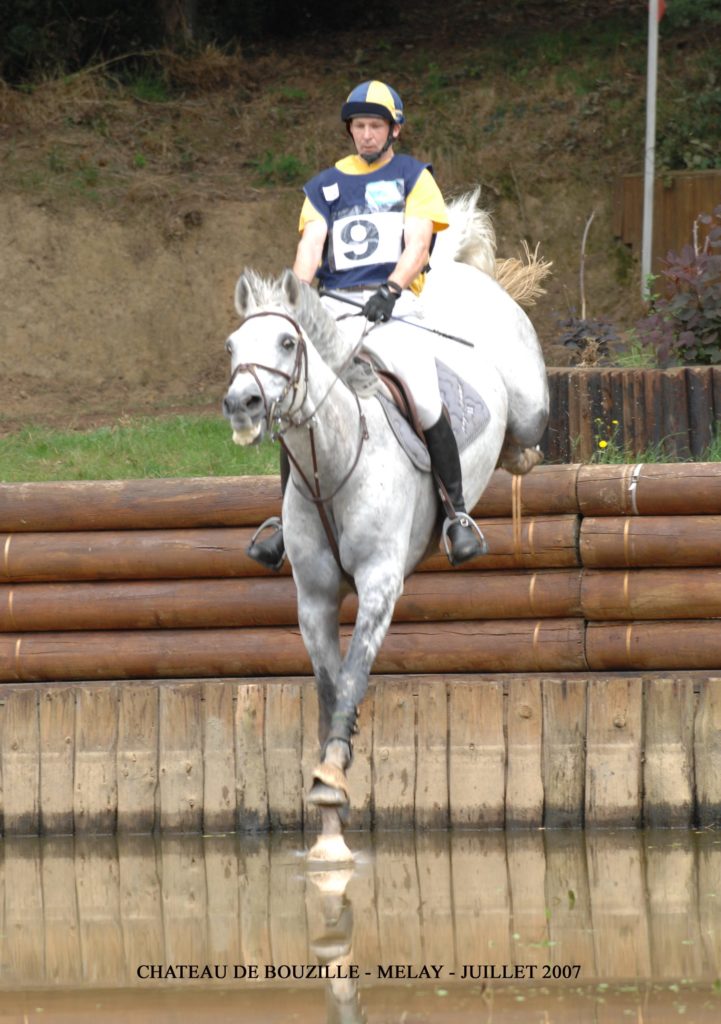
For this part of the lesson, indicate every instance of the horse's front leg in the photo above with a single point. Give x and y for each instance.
(318, 619)
(378, 591)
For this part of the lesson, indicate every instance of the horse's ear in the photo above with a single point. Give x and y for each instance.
(244, 298)
(291, 288)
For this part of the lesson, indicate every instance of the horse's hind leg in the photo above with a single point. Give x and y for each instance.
(517, 459)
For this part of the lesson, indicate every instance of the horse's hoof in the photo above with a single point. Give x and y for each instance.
(322, 795)
(522, 461)
(330, 787)
(330, 850)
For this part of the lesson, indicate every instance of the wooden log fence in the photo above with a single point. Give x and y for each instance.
(673, 413)
(156, 678)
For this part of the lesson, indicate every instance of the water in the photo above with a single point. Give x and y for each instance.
(496, 927)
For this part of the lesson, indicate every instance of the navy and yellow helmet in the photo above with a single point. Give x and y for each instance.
(373, 99)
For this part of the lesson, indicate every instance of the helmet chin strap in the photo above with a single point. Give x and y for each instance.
(370, 158)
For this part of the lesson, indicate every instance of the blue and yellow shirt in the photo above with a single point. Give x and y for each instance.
(364, 207)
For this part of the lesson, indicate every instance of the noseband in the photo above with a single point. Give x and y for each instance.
(293, 378)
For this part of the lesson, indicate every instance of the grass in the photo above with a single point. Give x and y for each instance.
(188, 446)
(181, 446)
(609, 448)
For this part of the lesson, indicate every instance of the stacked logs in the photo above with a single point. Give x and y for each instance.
(613, 568)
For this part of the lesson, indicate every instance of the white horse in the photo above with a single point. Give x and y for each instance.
(381, 513)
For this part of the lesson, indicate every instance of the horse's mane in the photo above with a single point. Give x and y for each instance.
(310, 313)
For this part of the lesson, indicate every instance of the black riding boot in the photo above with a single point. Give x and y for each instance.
(271, 551)
(466, 540)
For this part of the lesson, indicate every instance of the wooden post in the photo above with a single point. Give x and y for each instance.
(675, 404)
(180, 758)
(524, 778)
(668, 752)
(219, 793)
(282, 752)
(564, 751)
(138, 731)
(707, 749)
(57, 757)
(476, 755)
(21, 763)
(431, 796)
(360, 775)
(701, 422)
(394, 754)
(613, 759)
(250, 757)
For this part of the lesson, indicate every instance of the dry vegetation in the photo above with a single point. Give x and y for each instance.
(186, 166)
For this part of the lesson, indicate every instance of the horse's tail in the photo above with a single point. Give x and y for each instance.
(521, 277)
(471, 238)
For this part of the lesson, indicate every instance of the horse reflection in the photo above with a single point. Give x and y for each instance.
(332, 943)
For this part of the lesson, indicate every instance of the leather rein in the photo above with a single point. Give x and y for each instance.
(273, 419)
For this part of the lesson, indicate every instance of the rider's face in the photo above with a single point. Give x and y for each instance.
(370, 133)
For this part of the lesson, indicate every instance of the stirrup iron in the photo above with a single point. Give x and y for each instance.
(464, 520)
(271, 523)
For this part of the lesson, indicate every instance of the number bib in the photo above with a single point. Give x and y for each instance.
(365, 215)
(366, 239)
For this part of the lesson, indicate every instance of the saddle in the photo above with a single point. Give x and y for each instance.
(465, 408)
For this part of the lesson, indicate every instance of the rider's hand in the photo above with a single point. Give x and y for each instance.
(379, 306)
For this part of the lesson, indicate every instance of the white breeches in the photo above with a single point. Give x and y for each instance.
(401, 348)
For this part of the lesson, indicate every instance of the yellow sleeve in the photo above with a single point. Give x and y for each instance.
(425, 200)
(308, 213)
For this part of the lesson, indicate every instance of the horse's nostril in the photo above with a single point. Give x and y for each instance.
(253, 403)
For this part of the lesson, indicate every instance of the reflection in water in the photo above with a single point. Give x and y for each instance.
(128, 912)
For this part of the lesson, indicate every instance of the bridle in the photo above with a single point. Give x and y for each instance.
(275, 420)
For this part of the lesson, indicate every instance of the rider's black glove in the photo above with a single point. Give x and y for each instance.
(380, 305)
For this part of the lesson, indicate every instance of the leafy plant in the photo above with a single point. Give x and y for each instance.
(684, 326)
(588, 339)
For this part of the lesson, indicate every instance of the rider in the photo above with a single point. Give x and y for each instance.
(367, 226)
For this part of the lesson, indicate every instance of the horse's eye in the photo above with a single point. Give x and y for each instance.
(287, 342)
(229, 347)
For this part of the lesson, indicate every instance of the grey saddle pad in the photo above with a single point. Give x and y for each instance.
(468, 412)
